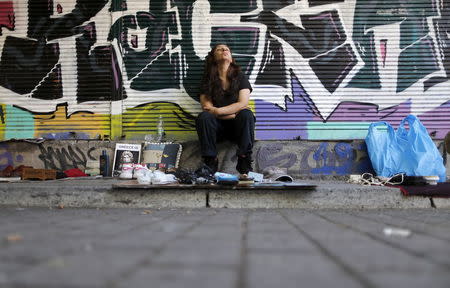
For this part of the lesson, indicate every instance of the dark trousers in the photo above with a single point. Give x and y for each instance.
(240, 130)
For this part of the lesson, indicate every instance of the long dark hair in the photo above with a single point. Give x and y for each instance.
(211, 82)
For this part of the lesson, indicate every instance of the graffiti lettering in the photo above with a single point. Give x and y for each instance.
(305, 59)
(63, 159)
(6, 157)
(265, 157)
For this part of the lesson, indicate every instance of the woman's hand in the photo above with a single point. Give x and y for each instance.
(227, 117)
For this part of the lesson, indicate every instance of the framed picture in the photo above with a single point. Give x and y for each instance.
(163, 156)
(125, 154)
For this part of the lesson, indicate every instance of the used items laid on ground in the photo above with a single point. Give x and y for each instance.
(277, 174)
(409, 151)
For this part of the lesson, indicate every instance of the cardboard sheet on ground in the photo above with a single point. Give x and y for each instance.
(162, 155)
(133, 184)
(440, 190)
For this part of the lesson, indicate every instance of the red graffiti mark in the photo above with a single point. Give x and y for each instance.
(383, 44)
(6, 15)
(59, 8)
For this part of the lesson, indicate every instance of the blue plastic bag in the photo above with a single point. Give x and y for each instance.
(409, 151)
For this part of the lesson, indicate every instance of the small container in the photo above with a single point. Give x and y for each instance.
(160, 130)
(104, 164)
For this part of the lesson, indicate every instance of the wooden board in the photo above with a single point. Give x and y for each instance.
(133, 184)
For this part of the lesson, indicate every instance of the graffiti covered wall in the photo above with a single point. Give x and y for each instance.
(95, 69)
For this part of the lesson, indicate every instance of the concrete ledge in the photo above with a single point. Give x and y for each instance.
(94, 193)
(163, 198)
(98, 193)
(326, 195)
(443, 203)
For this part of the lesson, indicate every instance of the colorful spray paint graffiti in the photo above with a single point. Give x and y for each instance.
(320, 69)
(309, 158)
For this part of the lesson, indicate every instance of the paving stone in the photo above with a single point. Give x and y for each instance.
(416, 244)
(420, 279)
(275, 241)
(295, 270)
(185, 276)
(93, 269)
(192, 251)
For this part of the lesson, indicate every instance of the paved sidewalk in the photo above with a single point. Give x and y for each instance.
(208, 247)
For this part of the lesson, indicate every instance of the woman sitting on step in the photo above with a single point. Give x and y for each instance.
(224, 96)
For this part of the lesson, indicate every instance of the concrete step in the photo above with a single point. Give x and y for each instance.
(99, 193)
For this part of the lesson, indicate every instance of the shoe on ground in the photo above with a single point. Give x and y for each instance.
(138, 169)
(212, 163)
(145, 176)
(127, 171)
(244, 165)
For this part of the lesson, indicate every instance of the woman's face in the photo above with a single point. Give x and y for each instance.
(222, 53)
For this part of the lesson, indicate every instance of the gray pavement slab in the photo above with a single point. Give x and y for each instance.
(222, 248)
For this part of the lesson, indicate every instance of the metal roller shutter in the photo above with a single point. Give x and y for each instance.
(320, 69)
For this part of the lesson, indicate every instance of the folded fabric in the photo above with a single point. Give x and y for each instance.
(160, 177)
(74, 172)
(277, 174)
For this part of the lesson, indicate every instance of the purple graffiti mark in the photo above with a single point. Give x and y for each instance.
(6, 158)
(297, 89)
(134, 41)
(19, 158)
(354, 111)
(6, 15)
(66, 135)
(293, 120)
(383, 49)
(61, 158)
(266, 158)
(348, 111)
(437, 121)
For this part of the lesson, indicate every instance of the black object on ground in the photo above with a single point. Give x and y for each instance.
(442, 189)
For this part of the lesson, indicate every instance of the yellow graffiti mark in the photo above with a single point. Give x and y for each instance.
(92, 125)
(143, 120)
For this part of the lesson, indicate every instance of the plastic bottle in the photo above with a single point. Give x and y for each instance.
(104, 163)
(161, 133)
